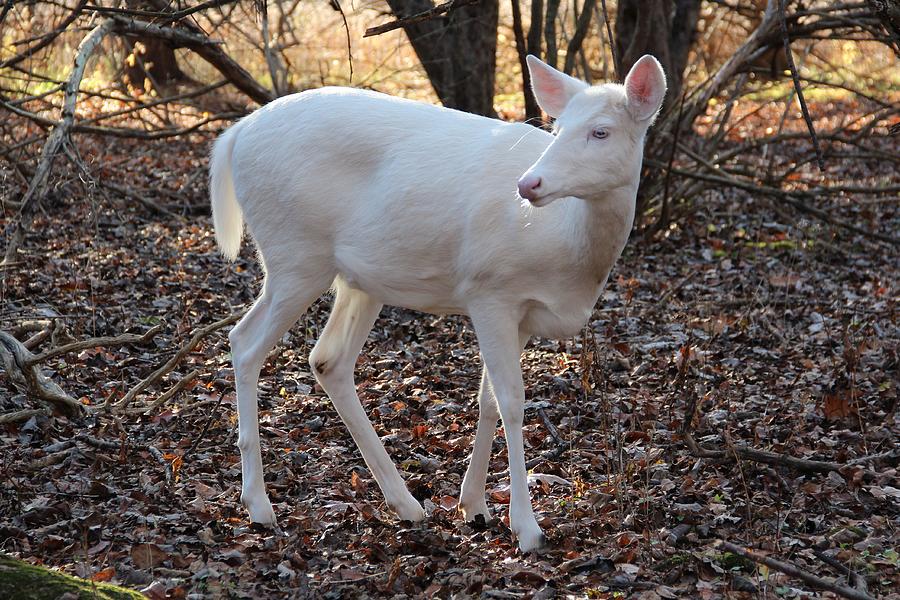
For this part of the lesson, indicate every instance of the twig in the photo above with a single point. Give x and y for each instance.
(803, 108)
(664, 213)
(336, 5)
(123, 132)
(890, 455)
(165, 397)
(222, 62)
(109, 341)
(127, 191)
(425, 15)
(275, 69)
(6, 8)
(855, 579)
(176, 36)
(164, 16)
(794, 571)
(184, 351)
(551, 428)
(161, 459)
(612, 44)
(212, 415)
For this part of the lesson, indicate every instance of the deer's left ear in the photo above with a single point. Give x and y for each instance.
(645, 87)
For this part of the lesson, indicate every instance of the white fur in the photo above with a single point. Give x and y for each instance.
(396, 202)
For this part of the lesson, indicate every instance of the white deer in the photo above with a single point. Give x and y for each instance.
(390, 201)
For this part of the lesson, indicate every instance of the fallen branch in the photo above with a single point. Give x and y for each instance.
(425, 15)
(168, 395)
(675, 534)
(172, 362)
(551, 428)
(23, 367)
(22, 415)
(222, 62)
(54, 458)
(790, 197)
(24, 373)
(38, 187)
(855, 579)
(772, 458)
(212, 415)
(106, 342)
(178, 37)
(794, 571)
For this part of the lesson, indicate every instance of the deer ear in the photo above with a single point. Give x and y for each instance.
(645, 87)
(552, 89)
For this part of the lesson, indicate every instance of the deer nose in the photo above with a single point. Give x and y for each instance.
(528, 186)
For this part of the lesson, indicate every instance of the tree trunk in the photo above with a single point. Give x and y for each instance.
(532, 110)
(888, 11)
(664, 28)
(458, 52)
(150, 62)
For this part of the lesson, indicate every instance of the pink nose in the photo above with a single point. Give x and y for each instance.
(528, 186)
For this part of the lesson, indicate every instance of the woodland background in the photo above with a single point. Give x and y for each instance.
(732, 402)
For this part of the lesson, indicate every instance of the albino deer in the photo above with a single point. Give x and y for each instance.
(389, 201)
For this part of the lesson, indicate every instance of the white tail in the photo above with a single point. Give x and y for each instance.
(390, 201)
(226, 213)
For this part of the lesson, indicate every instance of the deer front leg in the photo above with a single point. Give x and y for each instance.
(472, 496)
(498, 337)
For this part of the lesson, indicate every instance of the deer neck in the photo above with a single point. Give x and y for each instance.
(601, 229)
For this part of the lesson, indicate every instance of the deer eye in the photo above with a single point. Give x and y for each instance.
(600, 134)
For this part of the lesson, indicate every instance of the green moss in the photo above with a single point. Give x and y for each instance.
(22, 581)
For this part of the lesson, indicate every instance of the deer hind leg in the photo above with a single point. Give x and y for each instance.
(333, 360)
(273, 313)
(472, 495)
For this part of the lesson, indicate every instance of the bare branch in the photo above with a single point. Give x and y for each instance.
(47, 39)
(172, 362)
(106, 342)
(426, 15)
(337, 6)
(803, 107)
(794, 571)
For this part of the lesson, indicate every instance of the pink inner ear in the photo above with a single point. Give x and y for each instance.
(548, 85)
(638, 84)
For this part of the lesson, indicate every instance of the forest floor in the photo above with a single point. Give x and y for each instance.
(778, 332)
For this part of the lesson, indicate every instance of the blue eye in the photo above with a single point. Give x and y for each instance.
(600, 133)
